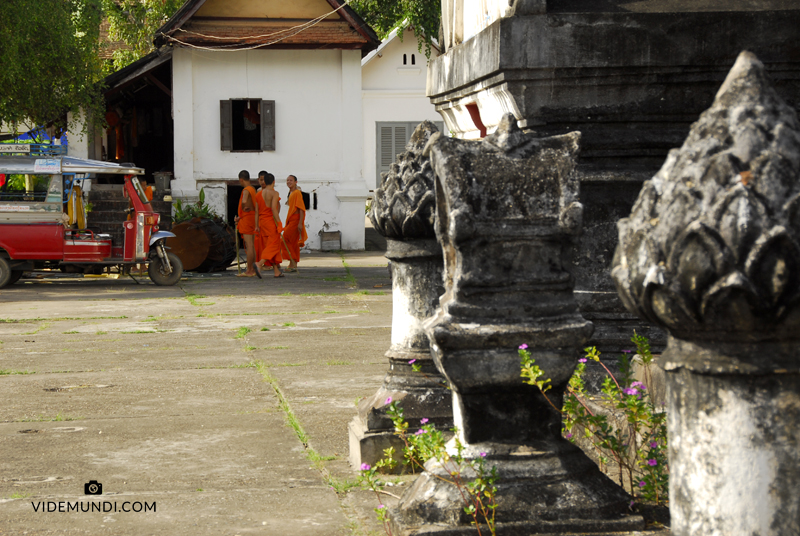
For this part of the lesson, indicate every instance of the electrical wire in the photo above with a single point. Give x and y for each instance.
(237, 47)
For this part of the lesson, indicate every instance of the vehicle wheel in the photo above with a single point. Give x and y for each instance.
(157, 272)
(15, 275)
(5, 273)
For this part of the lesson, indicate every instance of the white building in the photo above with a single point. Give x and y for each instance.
(301, 87)
(393, 81)
(251, 84)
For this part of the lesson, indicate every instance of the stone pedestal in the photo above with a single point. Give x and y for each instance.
(403, 211)
(507, 209)
(416, 286)
(631, 76)
(710, 252)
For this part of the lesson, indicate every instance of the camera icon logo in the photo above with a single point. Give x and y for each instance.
(93, 487)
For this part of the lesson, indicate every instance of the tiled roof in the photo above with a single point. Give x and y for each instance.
(275, 33)
(348, 31)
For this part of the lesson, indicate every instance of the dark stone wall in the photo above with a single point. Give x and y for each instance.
(631, 77)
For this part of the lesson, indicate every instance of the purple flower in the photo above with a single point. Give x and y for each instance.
(380, 506)
(653, 445)
(423, 420)
(365, 467)
(630, 391)
(652, 462)
(642, 484)
(411, 361)
(640, 385)
(523, 346)
(582, 360)
(419, 432)
(627, 351)
(568, 435)
(483, 454)
(389, 400)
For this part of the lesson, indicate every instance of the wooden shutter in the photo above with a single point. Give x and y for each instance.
(267, 125)
(385, 150)
(225, 125)
(401, 137)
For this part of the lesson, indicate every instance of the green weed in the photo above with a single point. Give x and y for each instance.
(58, 418)
(242, 332)
(334, 363)
(194, 299)
(9, 372)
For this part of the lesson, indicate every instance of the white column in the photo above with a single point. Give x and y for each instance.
(183, 121)
(78, 135)
(352, 191)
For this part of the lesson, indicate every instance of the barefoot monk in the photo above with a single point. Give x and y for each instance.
(294, 233)
(270, 227)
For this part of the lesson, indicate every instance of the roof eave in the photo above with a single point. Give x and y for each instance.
(177, 20)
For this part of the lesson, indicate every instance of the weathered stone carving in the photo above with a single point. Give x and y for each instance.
(711, 253)
(403, 207)
(403, 211)
(506, 211)
(710, 250)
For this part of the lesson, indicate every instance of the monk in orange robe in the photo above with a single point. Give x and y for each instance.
(294, 232)
(247, 222)
(270, 227)
(259, 245)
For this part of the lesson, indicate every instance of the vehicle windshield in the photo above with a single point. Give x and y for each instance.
(139, 190)
(30, 188)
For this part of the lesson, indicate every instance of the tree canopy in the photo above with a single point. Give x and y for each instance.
(134, 22)
(49, 61)
(422, 16)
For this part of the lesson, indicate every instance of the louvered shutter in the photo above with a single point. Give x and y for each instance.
(385, 149)
(400, 139)
(225, 120)
(267, 125)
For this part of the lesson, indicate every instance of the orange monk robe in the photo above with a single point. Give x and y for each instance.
(270, 237)
(247, 220)
(294, 238)
(261, 236)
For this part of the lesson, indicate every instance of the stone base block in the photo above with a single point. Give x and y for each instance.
(547, 488)
(582, 527)
(368, 447)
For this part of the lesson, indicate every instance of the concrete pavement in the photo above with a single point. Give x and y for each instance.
(223, 400)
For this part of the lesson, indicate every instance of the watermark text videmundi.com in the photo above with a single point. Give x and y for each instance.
(93, 487)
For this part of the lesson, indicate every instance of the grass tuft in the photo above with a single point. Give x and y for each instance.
(242, 332)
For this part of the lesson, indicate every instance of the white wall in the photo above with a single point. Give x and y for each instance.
(393, 92)
(317, 122)
(463, 19)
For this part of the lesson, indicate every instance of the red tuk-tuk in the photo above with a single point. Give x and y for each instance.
(38, 229)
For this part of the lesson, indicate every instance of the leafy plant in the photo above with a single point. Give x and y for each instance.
(195, 210)
(429, 443)
(637, 448)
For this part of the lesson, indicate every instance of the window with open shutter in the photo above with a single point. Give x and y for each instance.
(392, 137)
(225, 125)
(247, 125)
(267, 125)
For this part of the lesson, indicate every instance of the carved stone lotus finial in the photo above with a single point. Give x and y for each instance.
(711, 250)
(404, 206)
